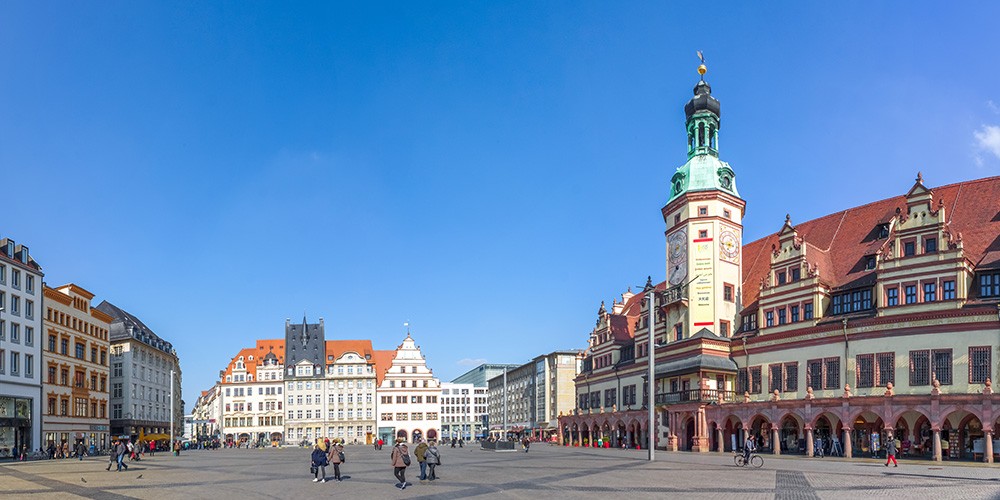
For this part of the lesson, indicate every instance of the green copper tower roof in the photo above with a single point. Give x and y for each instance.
(703, 170)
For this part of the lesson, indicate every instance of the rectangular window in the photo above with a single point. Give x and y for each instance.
(807, 310)
(724, 328)
(814, 373)
(755, 380)
(930, 245)
(774, 378)
(920, 368)
(831, 372)
(930, 292)
(29, 365)
(703, 210)
(837, 306)
(989, 285)
(795, 313)
(866, 370)
(885, 368)
(769, 318)
(941, 365)
(892, 296)
(781, 277)
(750, 322)
(979, 364)
(791, 377)
(727, 292)
(80, 349)
(678, 331)
(742, 382)
(909, 248)
(911, 294)
(781, 316)
(796, 274)
(948, 290)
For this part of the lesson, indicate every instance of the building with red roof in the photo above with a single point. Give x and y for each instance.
(873, 323)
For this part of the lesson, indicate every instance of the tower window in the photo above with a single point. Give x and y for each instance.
(726, 213)
(703, 233)
(677, 219)
(727, 292)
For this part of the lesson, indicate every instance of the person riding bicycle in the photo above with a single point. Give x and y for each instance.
(749, 447)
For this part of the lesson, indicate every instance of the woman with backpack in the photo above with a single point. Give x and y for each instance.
(318, 464)
(400, 458)
(337, 457)
(433, 458)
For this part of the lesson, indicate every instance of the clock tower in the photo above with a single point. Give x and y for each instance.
(703, 228)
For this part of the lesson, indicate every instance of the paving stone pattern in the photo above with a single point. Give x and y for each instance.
(547, 472)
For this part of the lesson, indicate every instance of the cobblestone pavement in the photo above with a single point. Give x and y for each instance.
(546, 472)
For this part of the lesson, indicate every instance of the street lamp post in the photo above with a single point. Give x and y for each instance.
(171, 409)
(651, 353)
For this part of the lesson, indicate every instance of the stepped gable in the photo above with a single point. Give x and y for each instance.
(839, 241)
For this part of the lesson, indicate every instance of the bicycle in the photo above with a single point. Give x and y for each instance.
(755, 460)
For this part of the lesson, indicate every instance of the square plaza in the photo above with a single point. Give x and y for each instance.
(546, 471)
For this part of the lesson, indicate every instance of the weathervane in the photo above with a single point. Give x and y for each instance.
(702, 69)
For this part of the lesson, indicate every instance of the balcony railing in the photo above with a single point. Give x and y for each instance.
(673, 294)
(695, 395)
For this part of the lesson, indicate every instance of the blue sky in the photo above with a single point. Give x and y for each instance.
(488, 171)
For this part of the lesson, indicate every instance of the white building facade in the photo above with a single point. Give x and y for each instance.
(409, 405)
(20, 350)
(145, 372)
(252, 398)
(463, 411)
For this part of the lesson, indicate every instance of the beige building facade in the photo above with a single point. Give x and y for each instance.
(76, 382)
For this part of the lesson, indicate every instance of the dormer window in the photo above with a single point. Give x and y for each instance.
(869, 263)
(781, 277)
(796, 274)
(883, 231)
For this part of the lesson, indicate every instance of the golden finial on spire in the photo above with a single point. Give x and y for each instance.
(702, 69)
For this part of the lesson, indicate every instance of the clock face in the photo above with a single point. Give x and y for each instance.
(677, 247)
(729, 246)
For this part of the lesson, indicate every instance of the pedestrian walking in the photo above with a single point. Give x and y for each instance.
(433, 458)
(112, 457)
(121, 450)
(420, 453)
(526, 443)
(890, 452)
(318, 464)
(80, 450)
(818, 452)
(336, 457)
(400, 459)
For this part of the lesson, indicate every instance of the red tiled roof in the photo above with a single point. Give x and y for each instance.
(383, 360)
(839, 241)
(337, 348)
